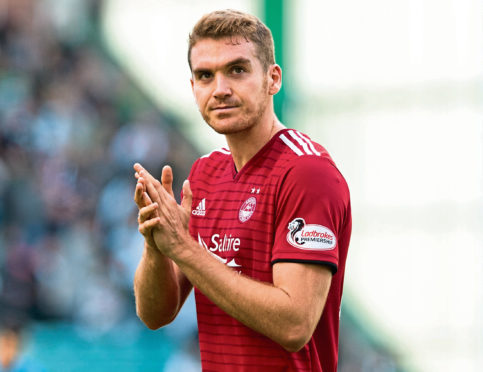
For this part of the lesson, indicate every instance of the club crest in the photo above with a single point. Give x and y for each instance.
(247, 209)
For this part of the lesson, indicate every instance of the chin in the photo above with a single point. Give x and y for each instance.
(228, 126)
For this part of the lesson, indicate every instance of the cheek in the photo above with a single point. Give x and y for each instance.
(200, 99)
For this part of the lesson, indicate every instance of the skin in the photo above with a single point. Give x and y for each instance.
(235, 97)
(9, 348)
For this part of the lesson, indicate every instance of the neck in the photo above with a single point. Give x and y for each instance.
(244, 145)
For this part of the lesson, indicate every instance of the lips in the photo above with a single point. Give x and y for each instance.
(222, 108)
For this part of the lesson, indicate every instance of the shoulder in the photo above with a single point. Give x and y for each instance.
(305, 159)
(297, 144)
(314, 169)
(211, 160)
(222, 152)
(309, 168)
(315, 178)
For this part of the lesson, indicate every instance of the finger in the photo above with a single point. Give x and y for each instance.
(154, 188)
(146, 199)
(167, 179)
(153, 192)
(146, 227)
(187, 196)
(143, 173)
(138, 195)
(138, 167)
(146, 213)
(141, 197)
(145, 176)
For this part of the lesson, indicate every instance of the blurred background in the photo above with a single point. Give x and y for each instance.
(393, 89)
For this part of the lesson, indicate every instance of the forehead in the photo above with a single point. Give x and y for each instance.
(212, 53)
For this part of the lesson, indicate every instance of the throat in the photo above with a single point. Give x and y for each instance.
(246, 146)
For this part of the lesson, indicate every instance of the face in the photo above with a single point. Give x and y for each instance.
(232, 91)
(9, 345)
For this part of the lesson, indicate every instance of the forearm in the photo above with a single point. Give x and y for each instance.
(261, 306)
(286, 311)
(159, 287)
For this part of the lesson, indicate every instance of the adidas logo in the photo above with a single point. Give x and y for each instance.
(200, 209)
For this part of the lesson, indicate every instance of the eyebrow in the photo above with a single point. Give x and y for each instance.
(237, 61)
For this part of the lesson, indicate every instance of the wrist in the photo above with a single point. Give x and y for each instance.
(188, 250)
(151, 250)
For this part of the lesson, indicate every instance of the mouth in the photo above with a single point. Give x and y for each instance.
(223, 108)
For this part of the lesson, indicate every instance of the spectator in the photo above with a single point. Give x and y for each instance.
(12, 358)
(70, 128)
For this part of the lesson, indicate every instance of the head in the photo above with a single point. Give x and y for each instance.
(10, 343)
(223, 24)
(234, 75)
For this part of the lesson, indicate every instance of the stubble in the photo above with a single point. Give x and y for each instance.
(247, 120)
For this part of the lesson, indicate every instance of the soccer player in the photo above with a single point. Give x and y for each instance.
(263, 228)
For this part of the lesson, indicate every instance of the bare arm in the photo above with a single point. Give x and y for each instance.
(160, 288)
(286, 311)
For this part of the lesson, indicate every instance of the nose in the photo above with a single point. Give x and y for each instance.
(222, 87)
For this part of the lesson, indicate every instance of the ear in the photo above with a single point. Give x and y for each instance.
(192, 84)
(274, 79)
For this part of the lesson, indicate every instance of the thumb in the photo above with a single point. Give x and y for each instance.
(187, 196)
(167, 179)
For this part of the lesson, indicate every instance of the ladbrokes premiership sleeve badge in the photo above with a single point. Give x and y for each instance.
(310, 236)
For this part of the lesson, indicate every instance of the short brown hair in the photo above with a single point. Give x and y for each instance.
(228, 23)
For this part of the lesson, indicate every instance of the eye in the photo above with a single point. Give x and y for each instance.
(204, 75)
(237, 70)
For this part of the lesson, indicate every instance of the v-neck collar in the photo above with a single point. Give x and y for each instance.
(236, 175)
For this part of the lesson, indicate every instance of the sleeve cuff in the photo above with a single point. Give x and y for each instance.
(332, 266)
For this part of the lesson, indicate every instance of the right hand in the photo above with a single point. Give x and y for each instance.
(159, 211)
(148, 211)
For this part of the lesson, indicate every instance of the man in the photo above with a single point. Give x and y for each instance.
(12, 358)
(263, 228)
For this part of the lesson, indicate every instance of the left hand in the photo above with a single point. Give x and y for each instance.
(171, 229)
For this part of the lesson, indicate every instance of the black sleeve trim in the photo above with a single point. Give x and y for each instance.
(332, 266)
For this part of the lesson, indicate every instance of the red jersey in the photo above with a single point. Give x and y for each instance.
(289, 203)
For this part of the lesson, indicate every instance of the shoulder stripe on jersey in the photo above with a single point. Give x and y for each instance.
(309, 142)
(222, 150)
(291, 145)
(301, 142)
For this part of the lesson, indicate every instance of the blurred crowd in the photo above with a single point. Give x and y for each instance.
(71, 127)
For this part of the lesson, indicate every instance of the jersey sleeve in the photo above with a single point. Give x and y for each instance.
(312, 204)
